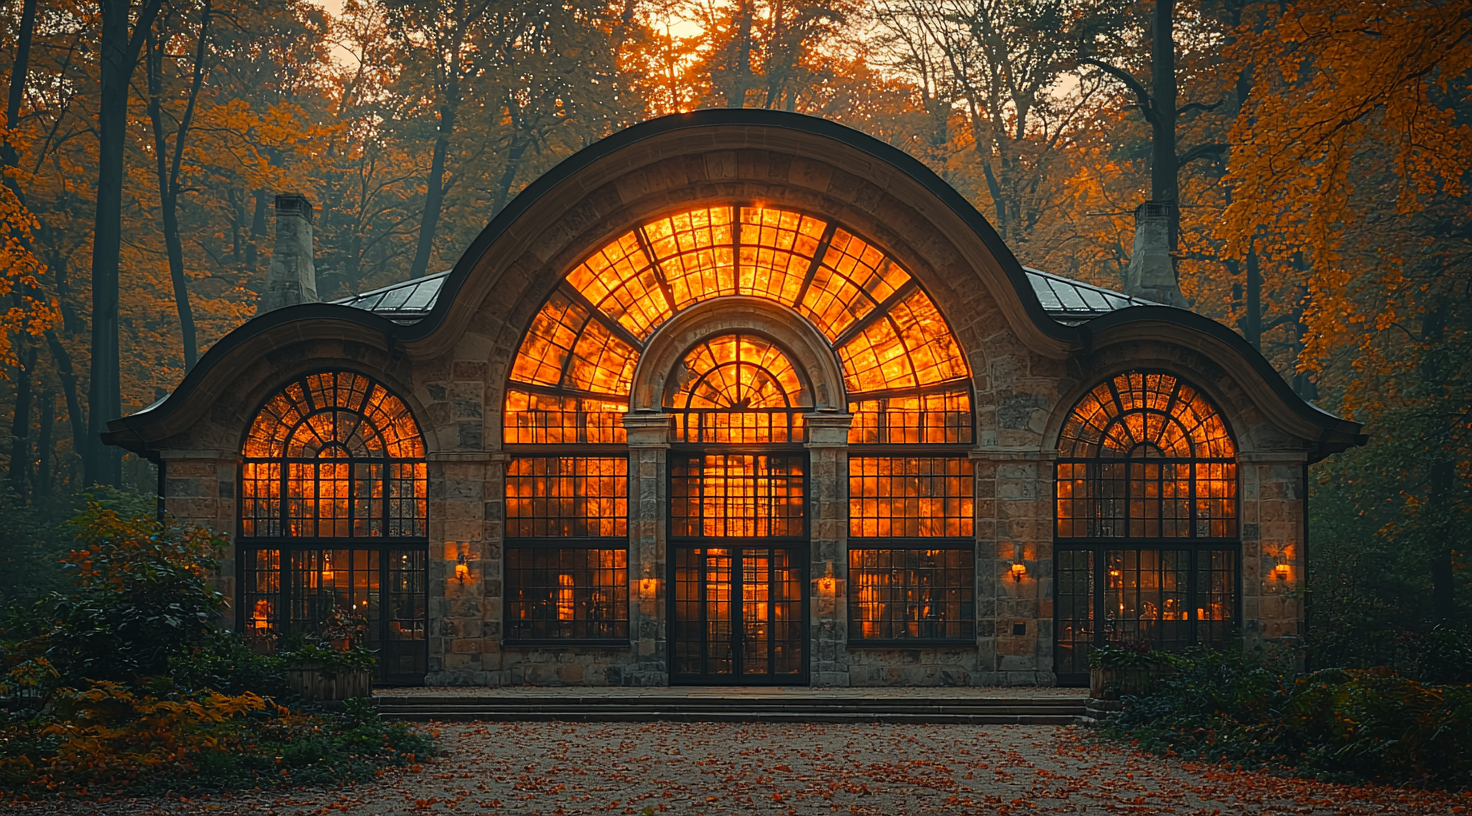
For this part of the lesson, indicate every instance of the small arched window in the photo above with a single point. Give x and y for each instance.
(333, 455)
(1147, 527)
(1145, 455)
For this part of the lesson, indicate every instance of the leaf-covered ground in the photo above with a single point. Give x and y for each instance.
(712, 768)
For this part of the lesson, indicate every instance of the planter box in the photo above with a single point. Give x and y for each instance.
(316, 683)
(1110, 683)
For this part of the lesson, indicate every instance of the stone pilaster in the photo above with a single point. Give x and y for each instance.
(648, 434)
(1014, 618)
(1273, 494)
(199, 491)
(465, 523)
(828, 574)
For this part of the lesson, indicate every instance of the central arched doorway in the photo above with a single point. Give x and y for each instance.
(738, 520)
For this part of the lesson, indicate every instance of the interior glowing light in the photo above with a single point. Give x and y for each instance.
(564, 597)
(587, 339)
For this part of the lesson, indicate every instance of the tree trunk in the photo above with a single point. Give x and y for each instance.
(118, 57)
(70, 391)
(18, 73)
(168, 175)
(1252, 320)
(45, 414)
(20, 426)
(508, 176)
(434, 196)
(738, 67)
(1163, 182)
(1441, 474)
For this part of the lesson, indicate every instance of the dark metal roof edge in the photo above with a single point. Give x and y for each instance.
(395, 332)
(751, 117)
(124, 431)
(1347, 431)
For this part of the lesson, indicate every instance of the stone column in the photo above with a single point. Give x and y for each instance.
(1272, 529)
(199, 491)
(466, 490)
(828, 579)
(648, 434)
(1014, 618)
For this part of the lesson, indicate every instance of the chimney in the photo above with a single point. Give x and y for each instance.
(1151, 274)
(293, 278)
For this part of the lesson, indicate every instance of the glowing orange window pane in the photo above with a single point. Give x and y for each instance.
(876, 359)
(619, 281)
(551, 337)
(546, 419)
(933, 351)
(737, 371)
(853, 279)
(1170, 474)
(911, 497)
(696, 253)
(564, 597)
(601, 362)
(333, 454)
(777, 248)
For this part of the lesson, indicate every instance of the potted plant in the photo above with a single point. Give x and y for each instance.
(1129, 667)
(331, 664)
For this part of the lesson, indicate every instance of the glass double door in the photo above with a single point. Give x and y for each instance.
(739, 615)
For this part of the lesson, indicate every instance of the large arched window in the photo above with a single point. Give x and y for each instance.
(906, 378)
(1146, 511)
(334, 516)
(906, 383)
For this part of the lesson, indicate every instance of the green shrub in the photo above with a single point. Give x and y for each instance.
(111, 739)
(1354, 724)
(126, 684)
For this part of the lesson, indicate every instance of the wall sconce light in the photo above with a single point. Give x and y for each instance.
(828, 584)
(1280, 571)
(648, 587)
(1019, 569)
(462, 569)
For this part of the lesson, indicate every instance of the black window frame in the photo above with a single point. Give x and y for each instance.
(624, 597)
(1098, 546)
(286, 545)
(966, 544)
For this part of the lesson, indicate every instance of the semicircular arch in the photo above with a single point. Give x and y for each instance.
(585, 346)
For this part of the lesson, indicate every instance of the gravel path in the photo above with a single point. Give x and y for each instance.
(716, 768)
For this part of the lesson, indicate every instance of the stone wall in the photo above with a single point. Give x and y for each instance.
(456, 387)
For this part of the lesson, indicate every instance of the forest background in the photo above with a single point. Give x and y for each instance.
(1318, 151)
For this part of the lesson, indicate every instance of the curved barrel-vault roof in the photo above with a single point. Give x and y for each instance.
(1051, 316)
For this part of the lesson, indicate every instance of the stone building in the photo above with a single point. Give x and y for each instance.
(743, 397)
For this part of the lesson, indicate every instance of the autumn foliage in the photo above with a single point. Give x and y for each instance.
(126, 683)
(1322, 151)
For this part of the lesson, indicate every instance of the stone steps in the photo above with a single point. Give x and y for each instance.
(735, 708)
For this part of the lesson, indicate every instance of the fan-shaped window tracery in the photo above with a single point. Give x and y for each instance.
(571, 378)
(333, 454)
(738, 388)
(1145, 455)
